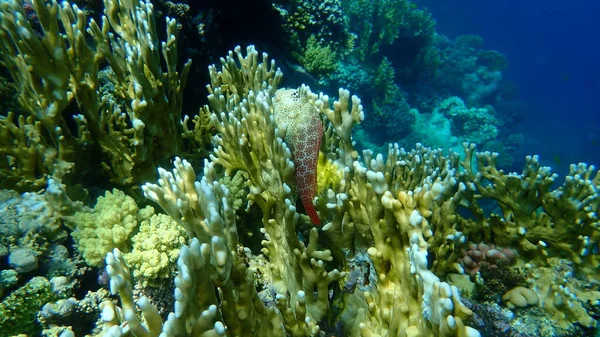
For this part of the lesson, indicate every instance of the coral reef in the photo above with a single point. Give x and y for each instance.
(322, 21)
(233, 238)
(472, 125)
(297, 273)
(468, 70)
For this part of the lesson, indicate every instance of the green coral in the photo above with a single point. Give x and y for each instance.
(323, 19)
(18, 310)
(318, 58)
(379, 23)
(237, 186)
(384, 81)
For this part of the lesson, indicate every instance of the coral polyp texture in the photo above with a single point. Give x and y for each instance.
(223, 249)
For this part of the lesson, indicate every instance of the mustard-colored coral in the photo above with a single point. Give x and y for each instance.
(155, 248)
(329, 174)
(111, 224)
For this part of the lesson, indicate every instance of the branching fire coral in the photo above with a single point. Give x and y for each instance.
(56, 62)
(386, 218)
(371, 222)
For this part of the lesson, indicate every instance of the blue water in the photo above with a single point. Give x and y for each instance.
(554, 60)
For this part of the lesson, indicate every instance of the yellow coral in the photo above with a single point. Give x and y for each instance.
(329, 174)
(155, 248)
(109, 225)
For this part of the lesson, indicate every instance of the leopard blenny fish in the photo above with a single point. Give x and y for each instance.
(294, 111)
